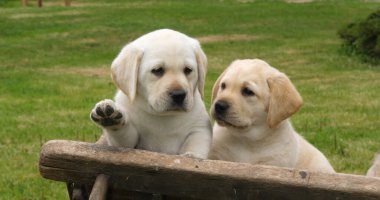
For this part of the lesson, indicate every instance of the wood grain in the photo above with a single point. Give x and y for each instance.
(155, 173)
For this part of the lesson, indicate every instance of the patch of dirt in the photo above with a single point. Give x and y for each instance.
(222, 38)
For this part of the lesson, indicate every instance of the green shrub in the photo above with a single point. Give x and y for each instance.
(363, 37)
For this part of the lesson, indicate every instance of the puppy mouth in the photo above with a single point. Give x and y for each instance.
(177, 109)
(224, 116)
(165, 106)
(224, 122)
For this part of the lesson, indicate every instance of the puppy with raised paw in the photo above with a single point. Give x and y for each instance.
(251, 103)
(159, 106)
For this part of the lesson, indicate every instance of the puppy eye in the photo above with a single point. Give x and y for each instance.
(159, 71)
(187, 70)
(223, 86)
(247, 92)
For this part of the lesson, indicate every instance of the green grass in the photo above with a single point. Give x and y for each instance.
(54, 65)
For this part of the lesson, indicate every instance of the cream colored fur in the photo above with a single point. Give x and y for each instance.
(144, 115)
(255, 128)
(374, 170)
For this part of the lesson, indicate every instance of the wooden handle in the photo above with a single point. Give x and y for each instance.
(99, 191)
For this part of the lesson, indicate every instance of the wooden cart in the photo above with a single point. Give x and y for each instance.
(121, 173)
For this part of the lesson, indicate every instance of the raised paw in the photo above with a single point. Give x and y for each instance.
(106, 114)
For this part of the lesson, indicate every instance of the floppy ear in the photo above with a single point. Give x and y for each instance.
(124, 70)
(216, 86)
(284, 99)
(202, 67)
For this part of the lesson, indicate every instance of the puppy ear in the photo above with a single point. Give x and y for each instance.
(284, 99)
(202, 67)
(216, 86)
(124, 70)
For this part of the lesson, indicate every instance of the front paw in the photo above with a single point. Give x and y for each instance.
(106, 114)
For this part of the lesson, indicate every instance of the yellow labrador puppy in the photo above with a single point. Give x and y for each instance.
(159, 106)
(251, 103)
(374, 170)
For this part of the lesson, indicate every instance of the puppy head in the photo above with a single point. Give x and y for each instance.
(250, 92)
(163, 69)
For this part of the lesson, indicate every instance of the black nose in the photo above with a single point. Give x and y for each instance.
(221, 107)
(178, 96)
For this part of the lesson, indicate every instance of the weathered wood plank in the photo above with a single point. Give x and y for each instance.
(151, 172)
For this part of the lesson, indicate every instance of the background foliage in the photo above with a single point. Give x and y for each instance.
(363, 37)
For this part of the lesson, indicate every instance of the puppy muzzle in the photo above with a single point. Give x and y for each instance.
(178, 99)
(222, 115)
(221, 108)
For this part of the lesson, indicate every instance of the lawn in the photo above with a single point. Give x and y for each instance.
(54, 67)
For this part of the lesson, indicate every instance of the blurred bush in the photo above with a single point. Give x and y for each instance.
(363, 37)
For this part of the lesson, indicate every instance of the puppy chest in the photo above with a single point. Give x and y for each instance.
(164, 134)
(161, 138)
(169, 145)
